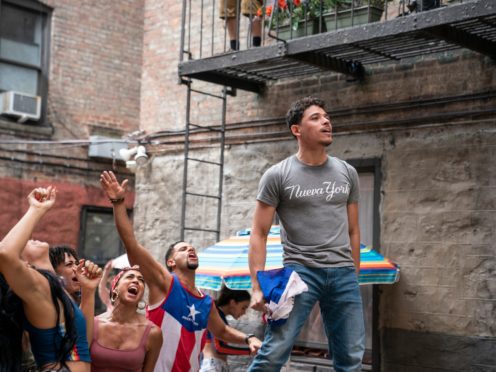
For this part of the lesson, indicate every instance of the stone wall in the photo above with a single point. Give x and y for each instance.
(429, 121)
(437, 222)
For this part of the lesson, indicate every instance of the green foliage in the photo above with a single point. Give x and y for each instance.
(298, 11)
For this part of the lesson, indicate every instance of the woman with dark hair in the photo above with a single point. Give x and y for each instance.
(123, 339)
(56, 326)
(65, 260)
(11, 316)
(235, 304)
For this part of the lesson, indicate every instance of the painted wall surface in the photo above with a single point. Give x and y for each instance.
(61, 225)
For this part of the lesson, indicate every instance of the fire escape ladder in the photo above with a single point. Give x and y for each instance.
(214, 135)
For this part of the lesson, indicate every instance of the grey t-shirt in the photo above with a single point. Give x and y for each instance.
(311, 202)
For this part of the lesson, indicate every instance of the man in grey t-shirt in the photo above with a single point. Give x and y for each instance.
(316, 198)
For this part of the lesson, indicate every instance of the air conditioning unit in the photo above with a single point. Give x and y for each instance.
(21, 105)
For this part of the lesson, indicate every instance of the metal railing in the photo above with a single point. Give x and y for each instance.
(206, 32)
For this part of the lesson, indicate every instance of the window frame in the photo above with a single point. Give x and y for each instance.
(85, 210)
(373, 165)
(42, 70)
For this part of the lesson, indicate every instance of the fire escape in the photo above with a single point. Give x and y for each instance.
(469, 24)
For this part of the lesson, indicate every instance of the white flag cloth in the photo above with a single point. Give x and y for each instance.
(279, 287)
(120, 262)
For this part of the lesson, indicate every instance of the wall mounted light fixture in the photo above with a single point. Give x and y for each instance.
(139, 153)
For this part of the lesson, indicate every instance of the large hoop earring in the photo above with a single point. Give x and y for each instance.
(113, 297)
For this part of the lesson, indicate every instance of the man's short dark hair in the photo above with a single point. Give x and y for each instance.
(169, 253)
(295, 112)
(57, 254)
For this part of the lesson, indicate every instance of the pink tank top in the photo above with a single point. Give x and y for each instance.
(104, 359)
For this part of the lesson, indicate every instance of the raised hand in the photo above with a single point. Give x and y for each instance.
(106, 272)
(88, 274)
(111, 186)
(42, 198)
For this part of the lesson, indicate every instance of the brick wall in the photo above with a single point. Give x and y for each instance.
(61, 224)
(95, 66)
(93, 88)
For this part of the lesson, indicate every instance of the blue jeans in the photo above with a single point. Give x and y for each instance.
(338, 292)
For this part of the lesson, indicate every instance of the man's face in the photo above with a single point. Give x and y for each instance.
(315, 127)
(184, 257)
(67, 270)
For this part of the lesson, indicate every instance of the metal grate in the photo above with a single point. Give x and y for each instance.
(24, 103)
(467, 25)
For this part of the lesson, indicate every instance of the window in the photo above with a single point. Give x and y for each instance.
(24, 35)
(99, 240)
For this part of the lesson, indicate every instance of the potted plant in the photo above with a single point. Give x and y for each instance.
(347, 13)
(290, 19)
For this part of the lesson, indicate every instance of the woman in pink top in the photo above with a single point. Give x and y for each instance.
(123, 339)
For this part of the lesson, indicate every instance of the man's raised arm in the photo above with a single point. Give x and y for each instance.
(155, 275)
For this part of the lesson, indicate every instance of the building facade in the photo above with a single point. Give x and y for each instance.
(76, 97)
(420, 130)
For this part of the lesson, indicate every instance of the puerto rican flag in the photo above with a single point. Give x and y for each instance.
(183, 318)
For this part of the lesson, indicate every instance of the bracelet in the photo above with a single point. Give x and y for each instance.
(116, 201)
(248, 336)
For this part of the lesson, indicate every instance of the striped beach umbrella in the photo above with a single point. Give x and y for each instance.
(227, 262)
